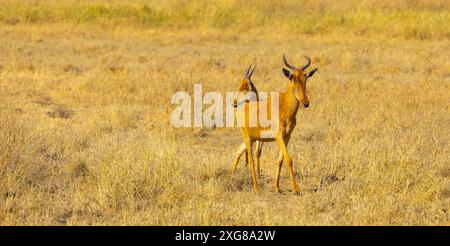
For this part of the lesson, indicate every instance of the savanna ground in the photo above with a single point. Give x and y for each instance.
(85, 133)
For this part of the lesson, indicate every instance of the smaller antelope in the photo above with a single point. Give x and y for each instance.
(246, 87)
(289, 103)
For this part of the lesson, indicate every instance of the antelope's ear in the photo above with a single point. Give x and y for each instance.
(287, 74)
(312, 72)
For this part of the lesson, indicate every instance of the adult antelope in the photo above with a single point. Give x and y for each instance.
(288, 105)
(247, 92)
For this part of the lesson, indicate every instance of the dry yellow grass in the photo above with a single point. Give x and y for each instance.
(85, 136)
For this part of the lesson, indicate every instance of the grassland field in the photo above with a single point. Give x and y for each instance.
(85, 92)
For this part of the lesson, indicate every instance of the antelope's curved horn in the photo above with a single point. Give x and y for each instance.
(251, 73)
(307, 63)
(248, 70)
(288, 65)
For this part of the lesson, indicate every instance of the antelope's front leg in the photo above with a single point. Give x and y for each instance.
(258, 151)
(288, 160)
(279, 164)
(249, 144)
(276, 183)
(242, 149)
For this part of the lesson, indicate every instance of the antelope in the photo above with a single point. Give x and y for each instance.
(246, 87)
(289, 103)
